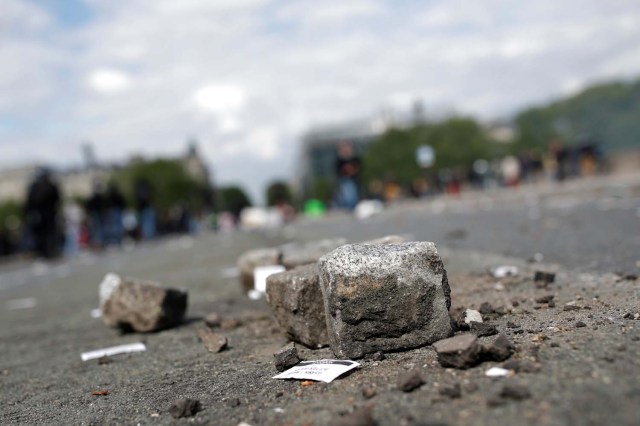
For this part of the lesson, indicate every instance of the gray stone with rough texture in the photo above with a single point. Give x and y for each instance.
(310, 252)
(461, 351)
(389, 239)
(140, 305)
(296, 301)
(286, 357)
(251, 259)
(384, 297)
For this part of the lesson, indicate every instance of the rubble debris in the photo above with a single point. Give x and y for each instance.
(454, 391)
(471, 315)
(140, 306)
(496, 372)
(580, 324)
(213, 320)
(545, 299)
(185, 408)
(369, 391)
(251, 259)
(410, 380)
(113, 350)
(228, 324)
(295, 298)
(504, 271)
(515, 391)
(482, 329)
(571, 306)
(233, 402)
(359, 417)
(461, 351)
(376, 297)
(543, 279)
(214, 342)
(377, 356)
(486, 308)
(286, 357)
(310, 253)
(498, 349)
(100, 393)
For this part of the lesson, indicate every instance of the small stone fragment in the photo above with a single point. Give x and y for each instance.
(471, 315)
(251, 259)
(482, 329)
(551, 304)
(359, 417)
(512, 325)
(384, 297)
(410, 381)
(545, 299)
(184, 408)
(368, 391)
(286, 357)
(486, 308)
(214, 319)
(542, 279)
(571, 306)
(233, 402)
(454, 391)
(214, 342)
(515, 391)
(580, 324)
(462, 351)
(521, 366)
(378, 356)
(230, 323)
(141, 306)
(296, 300)
(499, 349)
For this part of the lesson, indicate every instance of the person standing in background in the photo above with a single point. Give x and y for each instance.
(115, 207)
(41, 213)
(146, 213)
(348, 167)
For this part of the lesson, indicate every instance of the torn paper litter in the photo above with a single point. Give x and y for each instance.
(324, 370)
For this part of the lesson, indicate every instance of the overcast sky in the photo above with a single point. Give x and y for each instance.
(248, 77)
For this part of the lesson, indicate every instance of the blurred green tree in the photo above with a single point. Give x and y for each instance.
(233, 199)
(278, 191)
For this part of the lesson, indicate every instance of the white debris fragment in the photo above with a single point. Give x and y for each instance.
(109, 283)
(25, 303)
(496, 372)
(324, 370)
(368, 208)
(505, 271)
(255, 294)
(113, 350)
(96, 313)
(472, 315)
(261, 273)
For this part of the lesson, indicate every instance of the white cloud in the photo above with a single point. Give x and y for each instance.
(220, 99)
(109, 81)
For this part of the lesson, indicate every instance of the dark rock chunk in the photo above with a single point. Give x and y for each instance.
(545, 299)
(543, 279)
(454, 391)
(141, 306)
(515, 391)
(214, 342)
(286, 357)
(498, 349)
(580, 324)
(512, 325)
(233, 402)
(482, 329)
(410, 381)
(378, 356)
(185, 408)
(486, 308)
(384, 297)
(296, 300)
(462, 351)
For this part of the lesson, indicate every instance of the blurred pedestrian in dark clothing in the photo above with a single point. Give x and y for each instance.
(348, 171)
(41, 213)
(115, 205)
(143, 194)
(96, 207)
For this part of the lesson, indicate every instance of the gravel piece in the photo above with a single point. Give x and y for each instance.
(410, 381)
(286, 357)
(185, 408)
(461, 351)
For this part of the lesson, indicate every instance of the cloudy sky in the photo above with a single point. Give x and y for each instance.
(248, 77)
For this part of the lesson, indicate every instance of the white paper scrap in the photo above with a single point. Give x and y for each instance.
(261, 273)
(114, 350)
(496, 372)
(324, 370)
(505, 271)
